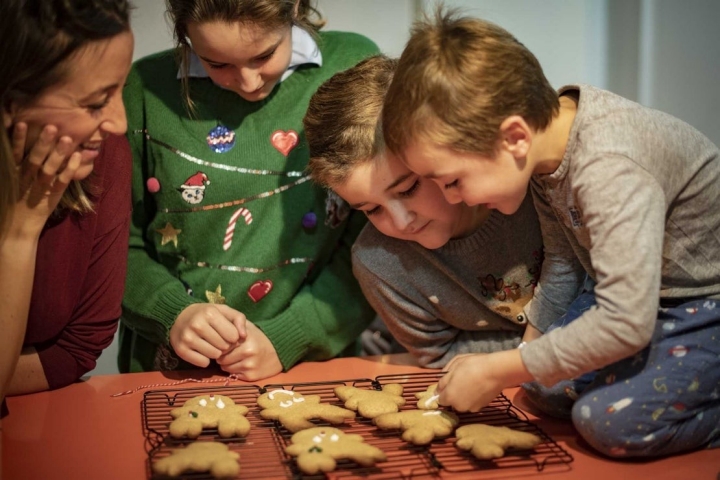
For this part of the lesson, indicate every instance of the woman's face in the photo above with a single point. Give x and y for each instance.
(242, 57)
(87, 104)
(403, 205)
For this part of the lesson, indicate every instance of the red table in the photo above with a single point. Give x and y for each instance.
(82, 432)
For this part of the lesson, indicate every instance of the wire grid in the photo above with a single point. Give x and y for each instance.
(261, 456)
(547, 456)
(263, 450)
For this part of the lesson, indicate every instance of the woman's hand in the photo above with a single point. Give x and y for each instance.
(44, 174)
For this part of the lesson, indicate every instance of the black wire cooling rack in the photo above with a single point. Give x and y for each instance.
(262, 452)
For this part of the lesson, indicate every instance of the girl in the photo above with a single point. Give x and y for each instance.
(226, 227)
(64, 245)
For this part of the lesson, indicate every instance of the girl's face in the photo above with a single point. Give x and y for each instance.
(404, 205)
(87, 105)
(242, 57)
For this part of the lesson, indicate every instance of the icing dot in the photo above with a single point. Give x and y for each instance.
(203, 402)
(309, 220)
(193, 414)
(220, 403)
(153, 185)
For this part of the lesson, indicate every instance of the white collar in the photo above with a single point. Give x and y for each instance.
(304, 50)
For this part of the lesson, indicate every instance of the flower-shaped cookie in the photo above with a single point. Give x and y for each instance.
(293, 410)
(212, 457)
(419, 427)
(209, 411)
(486, 442)
(318, 448)
(371, 403)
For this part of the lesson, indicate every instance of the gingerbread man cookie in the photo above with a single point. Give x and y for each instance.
(293, 410)
(486, 442)
(371, 403)
(419, 427)
(318, 448)
(209, 411)
(212, 457)
(428, 400)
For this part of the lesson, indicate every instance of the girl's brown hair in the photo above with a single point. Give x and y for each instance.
(38, 37)
(457, 80)
(269, 14)
(342, 123)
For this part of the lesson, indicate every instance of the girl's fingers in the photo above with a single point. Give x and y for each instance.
(19, 137)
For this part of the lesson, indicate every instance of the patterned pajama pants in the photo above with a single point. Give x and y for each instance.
(661, 401)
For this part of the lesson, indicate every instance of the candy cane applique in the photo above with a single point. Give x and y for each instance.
(230, 230)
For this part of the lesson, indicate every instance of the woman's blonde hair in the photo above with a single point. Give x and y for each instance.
(268, 14)
(39, 39)
(342, 123)
(457, 80)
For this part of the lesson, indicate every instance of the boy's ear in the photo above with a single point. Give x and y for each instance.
(516, 136)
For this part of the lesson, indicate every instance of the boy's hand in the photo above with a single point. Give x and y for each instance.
(253, 359)
(473, 381)
(44, 174)
(203, 331)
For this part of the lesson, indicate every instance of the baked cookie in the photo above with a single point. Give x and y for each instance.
(318, 448)
(293, 410)
(419, 427)
(428, 400)
(209, 411)
(486, 442)
(213, 457)
(371, 403)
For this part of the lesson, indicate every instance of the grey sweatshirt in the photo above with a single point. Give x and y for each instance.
(465, 297)
(635, 203)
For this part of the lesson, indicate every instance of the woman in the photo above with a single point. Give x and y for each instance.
(64, 244)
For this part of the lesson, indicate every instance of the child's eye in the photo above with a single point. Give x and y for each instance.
(451, 184)
(217, 66)
(410, 191)
(373, 211)
(265, 57)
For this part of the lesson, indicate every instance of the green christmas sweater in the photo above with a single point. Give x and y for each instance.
(224, 211)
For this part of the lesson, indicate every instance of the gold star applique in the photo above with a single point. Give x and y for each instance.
(169, 234)
(215, 297)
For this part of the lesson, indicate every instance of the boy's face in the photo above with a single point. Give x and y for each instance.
(401, 204)
(499, 182)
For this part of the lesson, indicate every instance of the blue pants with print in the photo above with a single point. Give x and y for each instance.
(661, 401)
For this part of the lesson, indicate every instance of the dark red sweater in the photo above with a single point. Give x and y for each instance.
(80, 274)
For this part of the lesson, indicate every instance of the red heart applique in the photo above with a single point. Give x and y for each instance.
(284, 141)
(259, 289)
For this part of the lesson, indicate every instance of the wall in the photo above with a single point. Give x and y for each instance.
(663, 53)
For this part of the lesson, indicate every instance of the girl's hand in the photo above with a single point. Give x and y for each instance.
(253, 359)
(44, 174)
(204, 331)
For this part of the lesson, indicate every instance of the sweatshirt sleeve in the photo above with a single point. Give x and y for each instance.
(327, 315)
(95, 317)
(562, 276)
(623, 208)
(153, 296)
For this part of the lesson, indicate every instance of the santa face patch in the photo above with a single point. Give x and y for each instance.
(193, 190)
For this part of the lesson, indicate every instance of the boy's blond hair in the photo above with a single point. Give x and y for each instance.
(342, 123)
(457, 80)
